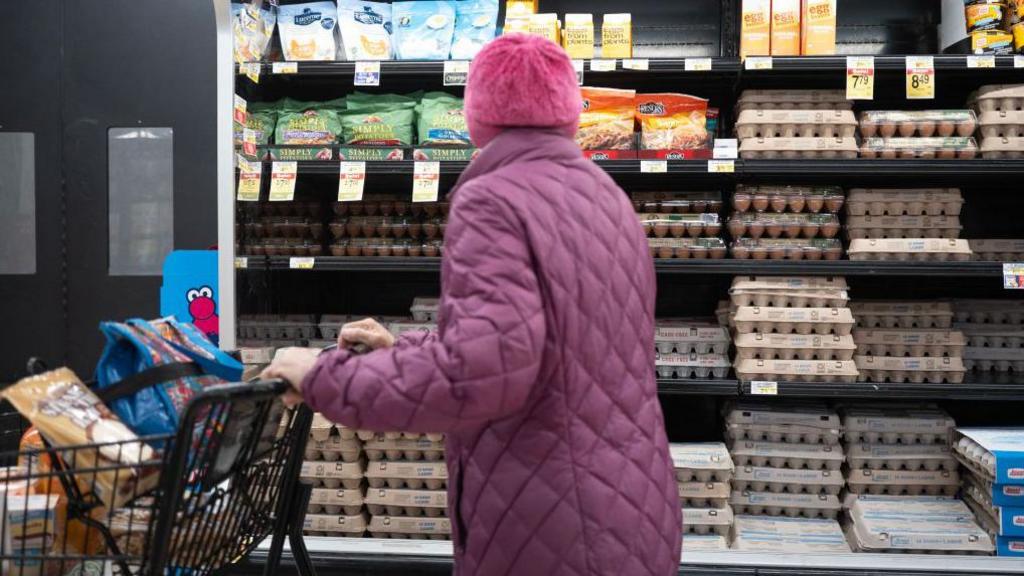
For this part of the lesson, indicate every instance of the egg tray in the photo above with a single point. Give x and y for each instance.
(425, 309)
(894, 424)
(910, 457)
(915, 342)
(677, 202)
(336, 501)
(1002, 366)
(333, 475)
(705, 543)
(788, 283)
(688, 348)
(793, 535)
(793, 347)
(381, 448)
(903, 482)
(1002, 148)
(794, 123)
(796, 199)
(825, 298)
(787, 480)
(707, 521)
(920, 250)
(823, 371)
(796, 456)
(992, 335)
(701, 462)
(386, 227)
(321, 429)
(382, 247)
(998, 250)
(1008, 358)
(412, 475)
(787, 249)
(390, 205)
(789, 505)
(790, 148)
(334, 449)
(704, 494)
(813, 414)
(680, 225)
(792, 433)
(916, 525)
(921, 123)
(980, 491)
(990, 311)
(1001, 124)
(414, 527)
(768, 320)
(284, 227)
(954, 147)
(685, 366)
(686, 336)
(903, 227)
(687, 248)
(298, 327)
(975, 458)
(297, 209)
(902, 314)
(334, 524)
(787, 225)
(998, 98)
(983, 515)
(795, 99)
(367, 435)
(904, 202)
(391, 502)
(915, 370)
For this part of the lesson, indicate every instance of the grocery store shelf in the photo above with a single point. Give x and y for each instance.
(837, 63)
(855, 168)
(692, 167)
(966, 391)
(703, 387)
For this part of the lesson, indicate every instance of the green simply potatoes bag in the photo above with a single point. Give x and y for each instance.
(442, 121)
(379, 119)
(306, 123)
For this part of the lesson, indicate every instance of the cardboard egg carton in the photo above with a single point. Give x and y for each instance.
(400, 502)
(794, 535)
(794, 347)
(879, 202)
(903, 227)
(903, 482)
(782, 433)
(411, 475)
(425, 309)
(704, 543)
(794, 100)
(334, 525)
(787, 455)
(701, 462)
(336, 501)
(1002, 148)
(767, 320)
(686, 337)
(333, 449)
(997, 98)
(990, 311)
(807, 148)
(983, 514)
(321, 428)
(998, 250)
(423, 448)
(704, 494)
(277, 327)
(907, 249)
(787, 480)
(894, 423)
(811, 423)
(788, 283)
(902, 314)
(916, 525)
(418, 528)
(707, 520)
(686, 366)
(791, 505)
(992, 335)
(916, 370)
(1001, 123)
(934, 342)
(995, 454)
(791, 123)
(998, 359)
(333, 474)
(900, 457)
(842, 371)
(825, 298)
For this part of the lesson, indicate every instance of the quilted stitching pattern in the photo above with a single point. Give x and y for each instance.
(542, 373)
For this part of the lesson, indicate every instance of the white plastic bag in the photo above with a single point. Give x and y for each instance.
(307, 31)
(365, 29)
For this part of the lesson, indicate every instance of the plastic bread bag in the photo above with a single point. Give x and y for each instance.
(423, 29)
(672, 121)
(607, 119)
(365, 29)
(441, 121)
(475, 24)
(307, 31)
(251, 28)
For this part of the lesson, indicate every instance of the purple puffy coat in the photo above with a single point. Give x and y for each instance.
(541, 373)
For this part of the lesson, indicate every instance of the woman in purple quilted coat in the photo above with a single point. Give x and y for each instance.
(541, 372)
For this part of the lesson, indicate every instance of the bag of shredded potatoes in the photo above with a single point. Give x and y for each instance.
(423, 29)
(365, 29)
(672, 121)
(441, 121)
(307, 31)
(252, 29)
(261, 119)
(475, 24)
(306, 123)
(607, 119)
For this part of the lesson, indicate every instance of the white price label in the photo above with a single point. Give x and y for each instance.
(367, 73)
(252, 70)
(762, 388)
(456, 72)
(920, 77)
(1018, 61)
(653, 166)
(282, 181)
(636, 64)
(725, 149)
(426, 177)
(758, 63)
(285, 68)
(721, 166)
(860, 77)
(577, 65)
(602, 65)
(351, 181)
(984, 61)
(249, 174)
(241, 263)
(1013, 275)
(697, 64)
(301, 263)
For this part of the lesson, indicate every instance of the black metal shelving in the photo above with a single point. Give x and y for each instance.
(893, 391)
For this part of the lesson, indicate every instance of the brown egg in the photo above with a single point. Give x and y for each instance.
(683, 252)
(383, 229)
(755, 229)
(797, 202)
(666, 252)
(926, 128)
(415, 229)
(315, 250)
(714, 206)
(340, 208)
(401, 207)
(337, 249)
(384, 250)
(740, 252)
(430, 230)
(946, 128)
(372, 208)
(773, 229)
(653, 250)
(834, 203)
(352, 250)
(907, 128)
(967, 154)
(712, 229)
(946, 154)
(965, 128)
(660, 229)
(415, 250)
(810, 229)
(886, 129)
(354, 227)
(741, 201)
(698, 252)
(868, 128)
(908, 154)
(685, 208)
(815, 204)
(717, 252)
(792, 229)
(737, 228)
(833, 253)
(888, 154)
(699, 206)
(866, 152)
(778, 203)
(369, 250)
(387, 208)
(431, 250)
(777, 252)
(694, 229)
(926, 154)
(679, 229)
(829, 229)
(648, 228)
(759, 253)
(400, 250)
(760, 202)
(431, 209)
(811, 253)
(357, 208)
(794, 253)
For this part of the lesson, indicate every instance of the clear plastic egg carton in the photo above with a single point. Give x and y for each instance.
(687, 248)
(998, 250)
(690, 366)
(336, 501)
(824, 298)
(704, 494)
(939, 370)
(416, 527)
(794, 347)
(425, 309)
(789, 283)
(789, 148)
(333, 475)
(792, 535)
(1002, 148)
(904, 202)
(793, 100)
(834, 371)
(905, 249)
(921, 123)
(411, 475)
(989, 311)
(399, 502)
(903, 482)
(998, 98)
(917, 342)
(787, 455)
(807, 422)
(782, 123)
(900, 457)
(786, 225)
(997, 359)
(920, 525)
(690, 337)
(903, 227)
(683, 202)
(787, 480)
(787, 249)
(779, 199)
(1001, 124)
(701, 462)
(423, 448)
(894, 423)
(681, 225)
(334, 525)
(707, 521)
(334, 449)
(790, 505)
(902, 314)
(769, 320)
(953, 147)
(705, 543)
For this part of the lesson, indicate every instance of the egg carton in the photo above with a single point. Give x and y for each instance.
(336, 501)
(793, 347)
(416, 527)
(997, 98)
(903, 482)
(807, 148)
(813, 415)
(686, 337)
(680, 225)
(701, 462)
(998, 359)
(905, 249)
(788, 283)
(425, 309)
(286, 327)
(903, 227)
(334, 449)
(796, 199)
(1001, 124)
(900, 457)
(782, 433)
(990, 311)
(791, 505)
(922, 123)
(704, 494)
(904, 202)
(998, 250)
(707, 520)
(678, 202)
(320, 428)
(330, 325)
(787, 455)
(686, 366)
(992, 335)
(925, 148)
(787, 225)
(916, 370)
(782, 123)
(787, 480)
(411, 475)
(983, 515)
(768, 320)
(916, 525)
(423, 448)
(826, 298)
(841, 371)
(399, 502)
(334, 525)
(902, 314)
(704, 543)
(995, 454)
(333, 474)
(794, 100)
(793, 535)
(787, 249)
(1002, 148)
(896, 424)
(399, 328)
(933, 342)
(687, 248)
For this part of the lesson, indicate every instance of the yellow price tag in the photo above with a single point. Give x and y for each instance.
(282, 181)
(860, 77)
(602, 65)
(653, 166)
(249, 174)
(351, 181)
(241, 263)
(426, 177)
(920, 78)
(285, 67)
(296, 263)
(985, 61)
(758, 63)
(721, 166)
(697, 64)
(252, 70)
(636, 64)
(762, 388)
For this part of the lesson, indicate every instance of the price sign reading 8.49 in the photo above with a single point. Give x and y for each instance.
(920, 78)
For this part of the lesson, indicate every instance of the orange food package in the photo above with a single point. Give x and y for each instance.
(607, 120)
(672, 121)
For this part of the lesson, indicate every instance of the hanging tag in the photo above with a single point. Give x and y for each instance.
(456, 72)
(985, 61)
(249, 174)
(721, 166)
(252, 71)
(240, 113)
(1013, 275)
(367, 73)
(285, 68)
(697, 64)
(725, 149)
(636, 64)
(241, 263)
(762, 388)
(426, 177)
(249, 142)
(301, 263)
(282, 181)
(920, 78)
(351, 180)
(860, 77)
(602, 65)
(758, 63)
(577, 65)
(653, 166)
(1018, 61)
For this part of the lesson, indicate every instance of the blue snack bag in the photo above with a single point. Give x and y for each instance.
(475, 24)
(423, 30)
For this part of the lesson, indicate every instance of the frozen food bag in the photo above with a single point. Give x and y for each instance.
(378, 126)
(251, 28)
(261, 119)
(607, 119)
(307, 30)
(475, 24)
(441, 121)
(311, 125)
(672, 121)
(423, 29)
(365, 29)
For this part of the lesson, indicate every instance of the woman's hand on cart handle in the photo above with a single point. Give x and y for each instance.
(368, 333)
(291, 365)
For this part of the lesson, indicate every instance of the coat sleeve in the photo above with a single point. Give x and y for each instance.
(483, 362)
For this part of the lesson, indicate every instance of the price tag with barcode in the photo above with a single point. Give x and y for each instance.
(697, 64)
(252, 70)
(762, 388)
(1018, 61)
(653, 166)
(577, 65)
(725, 149)
(351, 181)
(920, 77)
(758, 63)
(301, 263)
(241, 263)
(860, 77)
(426, 178)
(367, 73)
(983, 61)
(249, 174)
(456, 72)
(602, 65)
(636, 64)
(285, 68)
(721, 166)
(282, 181)
(240, 110)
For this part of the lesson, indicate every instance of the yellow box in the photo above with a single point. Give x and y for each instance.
(517, 24)
(785, 27)
(755, 28)
(546, 25)
(818, 27)
(617, 36)
(992, 41)
(517, 8)
(578, 38)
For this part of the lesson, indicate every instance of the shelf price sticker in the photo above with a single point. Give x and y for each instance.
(367, 73)
(764, 388)
(1018, 61)
(249, 174)
(241, 263)
(920, 78)
(240, 115)
(983, 61)
(249, 142)
(758, 63)
(602, 65)
(301, 263)
(282, 181)
(636, 64)
(456, 72)
(1013, 275)
(725, 149)
(697, 64)
(721, 166)
(351, 181)
(860, 77)
(252, 71)
(653, 166)
(577, 65)
(285, 68)
(426, 176)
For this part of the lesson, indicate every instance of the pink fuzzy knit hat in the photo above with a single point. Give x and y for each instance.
(520, 81)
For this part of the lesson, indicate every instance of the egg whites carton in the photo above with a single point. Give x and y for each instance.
(335, 524)
(794, 347)
(916, 525)
(787, 455)
(767, 320)
(425, 309)
(787, 480)
(998, 250)
(807, 148)
(411, 475)
(334, 449)
(921, 123)
(989, 311)
(788, 283)
(704, 494)
(707, 520)
(842, 371)
(704, 543)
(682, 337)
(793, 123)
(949, 148)
(333, 475)
(686, 366)
(916, 370)
(789, 298)
(903, 482)
(414, 527)
(794, 535)
(896, 424)
(998, 359)
(934, 342)
(878, 202)
(858, 227)
(910, 249)
(701, 462)
(399, 502)
(795, 99)
(900, 457)
(791, 505)
(1002, 148)
(998, 98)
(422, 448)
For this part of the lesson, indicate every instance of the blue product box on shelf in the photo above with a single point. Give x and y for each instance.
(1008, 495)
(1011, 522)
(1001, 458)
(1010, 546)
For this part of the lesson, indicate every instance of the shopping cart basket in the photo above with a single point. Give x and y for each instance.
(224, 482)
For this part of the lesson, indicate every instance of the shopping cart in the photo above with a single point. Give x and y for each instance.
(223, 483)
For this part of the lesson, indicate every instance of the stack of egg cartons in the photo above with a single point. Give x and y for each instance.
(899, 450)
(995, 338)
(792, 328)
(691, 349)
(424, 317)
(788, 459)
(335, 468)
(1000, 111)
(407, 477)
(944, 134)
(704, 473)
(784, 535)
(905, 224)
(915, 524)
(910, 341)
(795, 124)
(994, 482)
